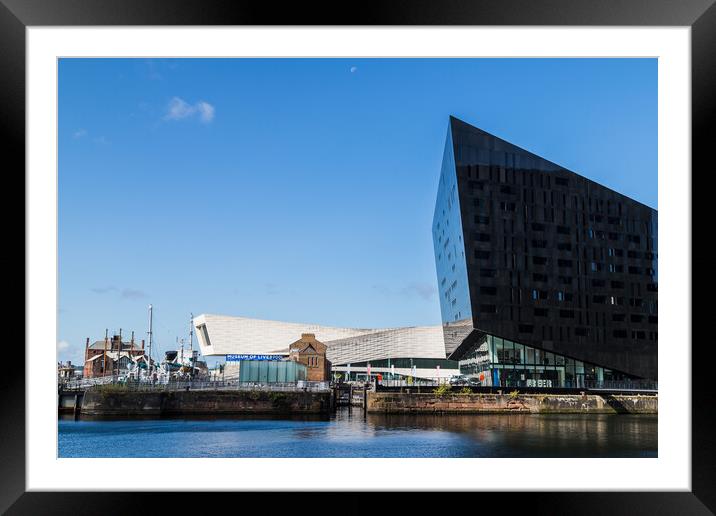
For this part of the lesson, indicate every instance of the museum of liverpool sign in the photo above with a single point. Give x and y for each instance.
(239, 358)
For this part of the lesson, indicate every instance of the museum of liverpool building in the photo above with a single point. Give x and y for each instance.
(546, 278)
(393, 353)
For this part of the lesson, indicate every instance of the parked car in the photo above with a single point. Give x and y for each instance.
(463, 380)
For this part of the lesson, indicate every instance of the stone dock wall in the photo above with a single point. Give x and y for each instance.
(202, 402)
(452, 403)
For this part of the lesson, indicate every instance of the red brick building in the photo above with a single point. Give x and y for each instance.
(311, 353)
(111, 356)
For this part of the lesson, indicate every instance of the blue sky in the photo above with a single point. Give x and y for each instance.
(302, 189)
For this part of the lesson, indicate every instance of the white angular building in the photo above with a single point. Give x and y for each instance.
(416, 351)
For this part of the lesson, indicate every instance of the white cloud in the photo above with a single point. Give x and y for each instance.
(82, 133)
(179, 109)
(63, 345)
(206, 111)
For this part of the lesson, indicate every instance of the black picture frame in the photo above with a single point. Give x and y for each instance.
(700, 15)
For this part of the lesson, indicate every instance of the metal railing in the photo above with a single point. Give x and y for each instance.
(85, 383)
(300, 385)
(587, 385)
(605, 385)
(415, 382)
(622, 385)
(195, 385)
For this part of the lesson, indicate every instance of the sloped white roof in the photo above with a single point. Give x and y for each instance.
(224, 335)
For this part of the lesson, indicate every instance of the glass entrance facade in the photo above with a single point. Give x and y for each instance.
(271, 371)
(499, 362)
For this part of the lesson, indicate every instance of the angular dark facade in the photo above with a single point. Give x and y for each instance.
(544, 276)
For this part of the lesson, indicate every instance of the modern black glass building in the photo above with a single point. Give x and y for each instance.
(546, 278)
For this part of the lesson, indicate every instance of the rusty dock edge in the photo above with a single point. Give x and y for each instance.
(455, 403)
(203, 402)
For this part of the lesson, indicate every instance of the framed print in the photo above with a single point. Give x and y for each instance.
(200, 180)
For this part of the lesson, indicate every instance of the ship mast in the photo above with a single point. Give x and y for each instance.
(150, 341)
(191, 343)
(119, 354)
(104, 358)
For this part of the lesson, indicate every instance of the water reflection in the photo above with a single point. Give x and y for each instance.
(558, 435)
(350, 434)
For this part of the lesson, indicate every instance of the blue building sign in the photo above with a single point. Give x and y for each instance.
(239, 358)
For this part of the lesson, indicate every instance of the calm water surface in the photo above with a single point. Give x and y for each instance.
(348, 434)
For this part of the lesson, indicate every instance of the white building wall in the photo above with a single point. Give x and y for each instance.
(415, 342)
(223, 335)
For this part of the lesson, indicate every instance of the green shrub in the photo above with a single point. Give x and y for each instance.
(466, 390)
(442, 390)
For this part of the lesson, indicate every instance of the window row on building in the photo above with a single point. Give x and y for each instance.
(564, 221)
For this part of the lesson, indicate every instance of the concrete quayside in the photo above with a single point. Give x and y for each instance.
(117, 400)
(514, 402)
